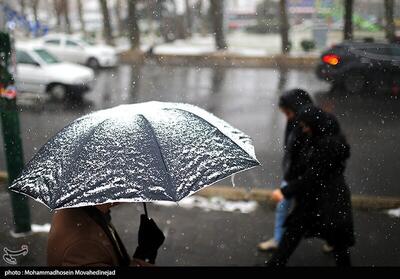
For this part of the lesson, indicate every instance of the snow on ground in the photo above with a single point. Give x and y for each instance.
(394, 212)
(45, 228)
(213, 204)
(239, 43)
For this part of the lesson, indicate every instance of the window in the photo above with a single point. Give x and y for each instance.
(24, 58)
(380, 50)
(72, 43)
(46, 56)
(53, 42)
(396, 51)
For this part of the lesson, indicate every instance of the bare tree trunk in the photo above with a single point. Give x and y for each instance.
(133, 27)
(80, 14)
(189, 19)
(390, 26)
(203, 19)
(65, 11)
(284, 27)
(22, 7)
(348, 19)
(35, 5)
(150, 9)
(118, 15)
(107, 30)
(58, 12)
(217, 13)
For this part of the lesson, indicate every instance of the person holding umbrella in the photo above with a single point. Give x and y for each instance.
(85, 236)
(290, 104)
(322, 197)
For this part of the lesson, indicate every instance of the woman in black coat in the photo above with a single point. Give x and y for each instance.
(322, 197)
(291, 103)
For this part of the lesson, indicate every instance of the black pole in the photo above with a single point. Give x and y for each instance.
(12, 141)
(145, 210)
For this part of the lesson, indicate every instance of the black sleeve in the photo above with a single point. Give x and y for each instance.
(320, 165)
(291, 163)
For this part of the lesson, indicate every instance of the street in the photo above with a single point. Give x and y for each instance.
(197, 237)
(246, 98)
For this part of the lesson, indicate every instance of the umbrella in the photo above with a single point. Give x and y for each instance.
(143, 152)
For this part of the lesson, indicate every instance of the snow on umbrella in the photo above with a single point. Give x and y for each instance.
(144, 152)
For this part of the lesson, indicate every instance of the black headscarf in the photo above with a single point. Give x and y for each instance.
(321, 123)
(295, 100)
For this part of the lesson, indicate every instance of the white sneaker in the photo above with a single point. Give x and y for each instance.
(326, 248)
(268, 245)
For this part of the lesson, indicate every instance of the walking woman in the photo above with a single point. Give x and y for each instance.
(290, 104)
(322, 198)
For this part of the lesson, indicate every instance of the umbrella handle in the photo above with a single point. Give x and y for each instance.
(145, 210)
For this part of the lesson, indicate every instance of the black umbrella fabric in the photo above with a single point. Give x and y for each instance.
(143, 152)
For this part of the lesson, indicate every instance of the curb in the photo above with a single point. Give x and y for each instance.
(220, 59)
(264, 196)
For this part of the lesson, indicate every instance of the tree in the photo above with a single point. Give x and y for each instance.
(80, 14)
(150, 8)
(348, 19)
(107, 30)
(35, 5)
(390, 26)
(202, 20)
(284, 27)
(118, 15)
(189, 18)
(61, 9)
(22, 7)
(217, 14)
(66, 16)
(58, 12)
(133, 27)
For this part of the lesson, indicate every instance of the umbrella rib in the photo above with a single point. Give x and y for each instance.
(169, 178)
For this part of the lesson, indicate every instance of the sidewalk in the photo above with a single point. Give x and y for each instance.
(244, 49)
(209, 236)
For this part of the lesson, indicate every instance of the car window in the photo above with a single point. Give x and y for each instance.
(381, 50)
(53, 42)
(72, 43)
(396, 51)
(46, 56)
(24, 58)
(86, 42)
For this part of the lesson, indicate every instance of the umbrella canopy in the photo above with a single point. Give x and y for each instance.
(135, 153)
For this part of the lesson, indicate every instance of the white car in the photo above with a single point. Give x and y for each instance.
(71, 49)
(40, 72)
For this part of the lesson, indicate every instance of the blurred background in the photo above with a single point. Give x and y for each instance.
(225, 56)
(233, 58)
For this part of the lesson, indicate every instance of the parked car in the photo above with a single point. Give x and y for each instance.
(40, 72)
(75, 50)
(358, 66)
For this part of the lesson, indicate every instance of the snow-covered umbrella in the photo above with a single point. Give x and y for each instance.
(144, 152)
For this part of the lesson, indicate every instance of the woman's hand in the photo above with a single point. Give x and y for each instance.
(277, 195)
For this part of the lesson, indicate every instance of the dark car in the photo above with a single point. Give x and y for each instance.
(359, 66)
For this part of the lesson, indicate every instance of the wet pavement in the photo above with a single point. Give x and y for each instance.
(246, 98)
(195, 237)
